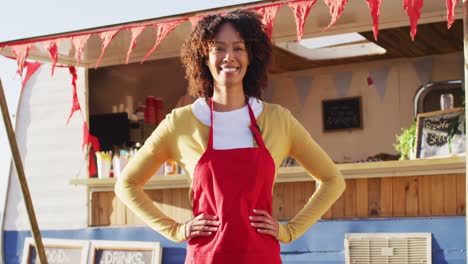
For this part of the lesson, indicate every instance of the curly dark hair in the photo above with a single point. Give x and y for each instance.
(195, 50)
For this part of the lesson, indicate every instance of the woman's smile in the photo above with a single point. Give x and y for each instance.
(228, 69)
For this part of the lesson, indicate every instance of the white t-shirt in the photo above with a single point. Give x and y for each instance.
(231, 129)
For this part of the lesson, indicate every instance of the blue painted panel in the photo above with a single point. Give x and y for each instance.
(323, 243)
(329, 235)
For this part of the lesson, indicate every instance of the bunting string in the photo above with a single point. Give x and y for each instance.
(89, 141)
(268, 11)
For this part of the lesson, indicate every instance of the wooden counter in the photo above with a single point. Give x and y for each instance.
(398, 168)
(410, 188)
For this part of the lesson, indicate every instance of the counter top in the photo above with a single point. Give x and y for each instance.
(452, 165)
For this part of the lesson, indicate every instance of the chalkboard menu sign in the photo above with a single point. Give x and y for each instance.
(123, 252)
(58, 251)
(339, 114)
(440, 133)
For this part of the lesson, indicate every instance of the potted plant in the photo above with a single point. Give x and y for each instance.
(406, 142)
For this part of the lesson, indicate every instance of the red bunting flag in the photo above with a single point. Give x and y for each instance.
(301, 11)
(194, 20)
(79, 43)
(21, 53)
(106, 37)
(450, 11)
(31, 68)
(93, 141)
(268, 14)
(92, 165)
(52, 47)
(413, 9)
(89, 139)
(163, 29)
(76, 103)
(136, 31)
(336, 9)
(374, 6)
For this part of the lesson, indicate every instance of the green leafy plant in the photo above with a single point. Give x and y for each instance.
(453, 128)
(406, 141)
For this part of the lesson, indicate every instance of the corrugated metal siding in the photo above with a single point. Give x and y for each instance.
(51, 153)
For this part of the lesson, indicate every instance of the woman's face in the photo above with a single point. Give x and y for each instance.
(228, 58)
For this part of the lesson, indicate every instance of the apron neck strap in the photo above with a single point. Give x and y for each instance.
(253, 126)
(210, 138)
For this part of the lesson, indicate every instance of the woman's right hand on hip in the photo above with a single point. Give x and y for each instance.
(202, 225)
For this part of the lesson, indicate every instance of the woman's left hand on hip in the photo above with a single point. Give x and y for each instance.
(264, 223)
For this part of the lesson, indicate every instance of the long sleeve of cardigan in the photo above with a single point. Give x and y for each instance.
(318, 164)
(166, 140)
(129, 187)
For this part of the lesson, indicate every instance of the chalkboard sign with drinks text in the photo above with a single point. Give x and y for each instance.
(122, 252)
(440, 133)
(342, 114)
(58, 251)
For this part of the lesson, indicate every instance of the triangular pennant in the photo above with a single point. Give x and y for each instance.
(301, 11)
(374, 6)
(163, 29)
(413, 9)
(303, 85)
(336, 9)
(136, 31)
(91, 140)
(31, 68)
(79, 43)
(52, 47)
(379, 77)
(106, 37)
(194, 20)
(92, 164)
(268, 92)
(75, 103)
(450, 11)
(342, 82)
(423, 68)
(21, 53)
(268, 14)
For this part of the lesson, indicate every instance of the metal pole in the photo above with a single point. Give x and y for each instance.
(22, 177)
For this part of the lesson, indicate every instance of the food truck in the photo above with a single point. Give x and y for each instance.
(367, 77)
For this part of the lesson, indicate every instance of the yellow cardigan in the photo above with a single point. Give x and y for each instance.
(182, 137)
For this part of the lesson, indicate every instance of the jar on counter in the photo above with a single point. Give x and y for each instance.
(170, 167)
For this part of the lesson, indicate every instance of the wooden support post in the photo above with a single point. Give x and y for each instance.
(465, 66)
(22, 177)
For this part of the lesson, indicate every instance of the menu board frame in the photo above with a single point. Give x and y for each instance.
(154, 247)
(56, 243)
(423, 130)
(346, 111)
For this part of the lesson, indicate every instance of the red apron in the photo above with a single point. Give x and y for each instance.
(231, 183)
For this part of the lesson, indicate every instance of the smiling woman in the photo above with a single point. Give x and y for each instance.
(231, 143)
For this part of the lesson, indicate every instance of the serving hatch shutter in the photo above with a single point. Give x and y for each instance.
(388, 248)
